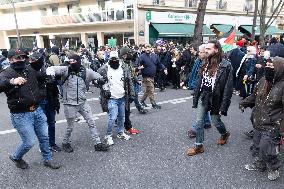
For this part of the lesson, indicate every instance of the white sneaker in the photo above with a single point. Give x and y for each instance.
(273, 175)
(109, 140)
(123, 136)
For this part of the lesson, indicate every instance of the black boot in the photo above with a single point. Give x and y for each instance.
(142, 110)
(156, 106)
(143, 104)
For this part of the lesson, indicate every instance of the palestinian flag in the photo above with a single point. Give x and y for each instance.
(227, 40)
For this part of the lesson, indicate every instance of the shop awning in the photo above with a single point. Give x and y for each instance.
(272, 30)
(224, 28)
(179, 30)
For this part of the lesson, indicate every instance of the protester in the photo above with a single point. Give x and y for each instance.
(121, 90)
(245, 72)
(267, 115)
(20, 84)
(75, 79)
(213, 93)
(149, 63)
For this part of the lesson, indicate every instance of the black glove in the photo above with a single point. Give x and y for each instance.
(107, 94)
(223, 113)
(101, 81)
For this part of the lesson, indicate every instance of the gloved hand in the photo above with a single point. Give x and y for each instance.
(101, 81)
(107, 94)
(131, 99)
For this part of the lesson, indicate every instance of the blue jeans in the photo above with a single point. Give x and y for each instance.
(207, 122)
(216, 121)
(137, 89)
(116, 110)
(29, 126)
(50, 113)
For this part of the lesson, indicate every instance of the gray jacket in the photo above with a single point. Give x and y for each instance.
(74, 88)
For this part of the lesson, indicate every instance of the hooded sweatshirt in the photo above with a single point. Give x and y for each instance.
(268, 109)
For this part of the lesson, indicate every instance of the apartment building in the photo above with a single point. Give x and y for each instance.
(96, 22)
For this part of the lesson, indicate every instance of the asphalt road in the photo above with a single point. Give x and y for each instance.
(156, 158)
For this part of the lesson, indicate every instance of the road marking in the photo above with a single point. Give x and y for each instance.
(97, 116)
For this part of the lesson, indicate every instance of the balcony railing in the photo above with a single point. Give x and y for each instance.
(90, 17)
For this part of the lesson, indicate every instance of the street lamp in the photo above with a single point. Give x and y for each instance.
(16, 22)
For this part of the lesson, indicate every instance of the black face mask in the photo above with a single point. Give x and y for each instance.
(269, 74)
(129, 58)
(18, 66)
(75, 67)
(114, 64)
(37, 65)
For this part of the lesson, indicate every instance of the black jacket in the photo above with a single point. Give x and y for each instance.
(268, 110)
(222, 91)
(96, 64)
(20, 98)
(150, 62)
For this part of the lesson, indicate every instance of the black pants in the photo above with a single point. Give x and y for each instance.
(127, 122)
(176, 78)
(162, 80)
(265, 148)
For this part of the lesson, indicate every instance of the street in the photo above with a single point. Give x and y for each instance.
(155, 158)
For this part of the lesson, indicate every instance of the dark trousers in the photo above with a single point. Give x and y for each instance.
(265, 148)
(127, 122)
(50, 113)
(176, 78)
(162, 80)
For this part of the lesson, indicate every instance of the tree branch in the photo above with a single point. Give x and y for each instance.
(269, 24)
(274, 12)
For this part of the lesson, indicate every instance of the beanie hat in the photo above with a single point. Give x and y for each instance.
(124, 50)
(75, 57)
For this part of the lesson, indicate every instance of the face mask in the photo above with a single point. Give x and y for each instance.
(75, 67)
(114, 64)
(37, 65)
(269, 74)
(129, 57)
(18, 66)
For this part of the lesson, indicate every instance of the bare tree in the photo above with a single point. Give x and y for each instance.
(263, 14)
(197, 37)
(254, 19)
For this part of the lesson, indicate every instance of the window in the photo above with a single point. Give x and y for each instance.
(104, 4)
(43, 11)
(191, 3)
(158, 2)
(54, 10)
(272, 6)
(248, 6)
(221, 5)
(73, 8)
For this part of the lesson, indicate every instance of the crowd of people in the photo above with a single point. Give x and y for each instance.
(38, 81)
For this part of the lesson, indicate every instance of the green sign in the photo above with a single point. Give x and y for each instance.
(111, 42)
(148, 15)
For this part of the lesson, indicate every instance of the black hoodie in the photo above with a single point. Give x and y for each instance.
(268, 110)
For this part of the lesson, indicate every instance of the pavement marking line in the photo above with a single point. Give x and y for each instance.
(97, 116)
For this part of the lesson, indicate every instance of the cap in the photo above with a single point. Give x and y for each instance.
(16, 53)
(35, 56)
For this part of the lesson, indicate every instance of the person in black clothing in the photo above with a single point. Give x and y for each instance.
(20, 84)
(98, 62)
(164, 57)
(49, 97)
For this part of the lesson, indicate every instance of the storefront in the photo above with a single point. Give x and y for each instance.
(179, 26)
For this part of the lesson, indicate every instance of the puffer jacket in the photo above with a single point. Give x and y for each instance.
(268, 110)
(20, 97)
(74, 87)
(222, 90)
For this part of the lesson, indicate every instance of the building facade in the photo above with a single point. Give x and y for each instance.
(97, 22)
